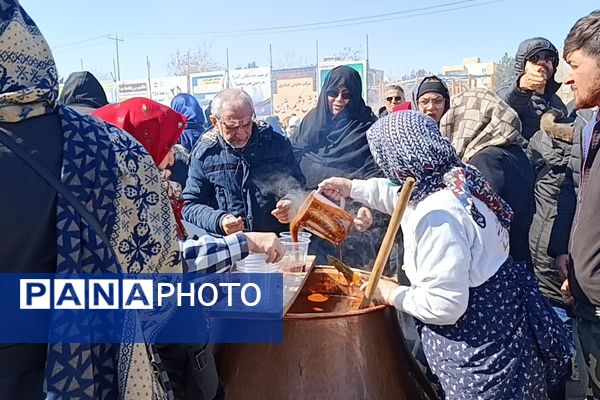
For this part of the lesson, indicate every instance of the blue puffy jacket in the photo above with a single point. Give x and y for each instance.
(244, 182)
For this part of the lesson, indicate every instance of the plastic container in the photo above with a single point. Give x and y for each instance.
(301, 235)
(295, 254)
(256, 263)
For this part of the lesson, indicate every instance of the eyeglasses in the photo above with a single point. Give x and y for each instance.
(334, 93)
(438, 102)
(236, 123)
(396, 99)
(542, 56)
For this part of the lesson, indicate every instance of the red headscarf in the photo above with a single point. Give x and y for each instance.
(155, 126)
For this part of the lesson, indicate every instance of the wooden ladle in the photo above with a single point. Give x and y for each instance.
(388, 241)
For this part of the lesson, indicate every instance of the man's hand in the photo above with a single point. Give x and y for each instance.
(534, 78)
(335, 188)
(265, 243)
(565, 291)
(363, 220)
(562, 262)
(232, 224)
(284, 211)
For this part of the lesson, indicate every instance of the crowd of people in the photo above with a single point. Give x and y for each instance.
(497, 260)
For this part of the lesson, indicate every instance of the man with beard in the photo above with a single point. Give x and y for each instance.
(532, 91)
(582, 288)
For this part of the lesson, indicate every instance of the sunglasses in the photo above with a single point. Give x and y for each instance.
(542, 56)
(395, 98)
(335, 93)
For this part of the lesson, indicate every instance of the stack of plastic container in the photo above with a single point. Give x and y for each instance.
(256, 263)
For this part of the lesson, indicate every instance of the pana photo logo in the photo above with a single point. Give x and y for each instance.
(134, 294)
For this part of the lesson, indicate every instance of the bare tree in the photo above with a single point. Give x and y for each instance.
(351, 53)
(192, 61)
(414, 74)
(292, 60)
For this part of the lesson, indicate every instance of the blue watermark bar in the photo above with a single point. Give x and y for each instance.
(141, 308)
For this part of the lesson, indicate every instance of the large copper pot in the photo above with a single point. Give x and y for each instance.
(337, 353)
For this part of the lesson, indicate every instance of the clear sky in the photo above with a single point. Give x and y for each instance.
(399, 40)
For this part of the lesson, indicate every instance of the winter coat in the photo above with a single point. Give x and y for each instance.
(567, 197)
(549, 151)
(244, 182)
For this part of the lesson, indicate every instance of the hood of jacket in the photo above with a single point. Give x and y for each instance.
(83, 92)
(529, 47)
(186, 104)
(555, 126)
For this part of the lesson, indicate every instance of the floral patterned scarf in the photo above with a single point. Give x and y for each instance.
(117, 181)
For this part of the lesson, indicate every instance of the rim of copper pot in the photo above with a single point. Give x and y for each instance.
(326, 268)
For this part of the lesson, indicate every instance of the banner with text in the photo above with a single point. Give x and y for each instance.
(205, 85)
(141, 308)
(164, 89)
(294, 91)
(257, 83)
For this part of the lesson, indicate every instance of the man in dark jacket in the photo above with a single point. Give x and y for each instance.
(240, 172)
(533, 89)
(83, 93)
(582, 288)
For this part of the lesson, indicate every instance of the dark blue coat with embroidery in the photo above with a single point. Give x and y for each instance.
(244, 182)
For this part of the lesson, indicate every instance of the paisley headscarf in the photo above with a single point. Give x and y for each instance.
(117, 182)
(409, 143)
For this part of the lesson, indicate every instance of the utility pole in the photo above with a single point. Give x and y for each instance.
(81, 64)
(149, 82)
(367, 48)
(366, 95)
(117, 40)
(227, 67)
(270, 57)
(189, 64)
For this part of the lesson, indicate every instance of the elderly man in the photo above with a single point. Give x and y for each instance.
(582, 289)
(393, 97)
(240, 172)
(533, 89)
